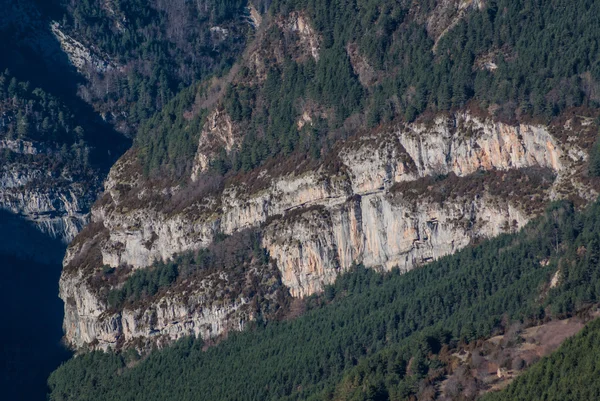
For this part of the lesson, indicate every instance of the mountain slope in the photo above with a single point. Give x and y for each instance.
(399, 322)
(81, 72)
(348, 132)
(285, 144)
(567, 374)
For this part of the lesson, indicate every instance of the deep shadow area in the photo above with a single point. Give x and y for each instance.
(31, 325)
(32, 53)
(30, 262)
(31, 328)
(23, 240)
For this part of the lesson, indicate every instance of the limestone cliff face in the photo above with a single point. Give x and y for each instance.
(56, 203)
(374, 230)
(79, 55)
(218, 132)
(200, 310)
(316, 224)
(309, 41)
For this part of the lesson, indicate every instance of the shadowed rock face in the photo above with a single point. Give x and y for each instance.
(57, 206)
(56, 200)
(42, 208)
(23, 239)
(317, 224)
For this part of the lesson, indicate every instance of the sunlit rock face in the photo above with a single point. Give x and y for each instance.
(381, 206)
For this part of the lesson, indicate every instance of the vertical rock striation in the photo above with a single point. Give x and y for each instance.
(400, 197)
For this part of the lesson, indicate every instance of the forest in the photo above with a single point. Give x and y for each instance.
(516, 60)
(355, 341)
(28, 113)
(32, 114)
(156, 47)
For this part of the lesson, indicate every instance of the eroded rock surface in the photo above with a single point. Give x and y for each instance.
(387, 203)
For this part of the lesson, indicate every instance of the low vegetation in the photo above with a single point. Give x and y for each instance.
(568, 374)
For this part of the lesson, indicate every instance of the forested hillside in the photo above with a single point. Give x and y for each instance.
(73, 74)
(370, 336)
(31, 114)
(375, 62)
(569, 374)
(146, 51)
(222, 98)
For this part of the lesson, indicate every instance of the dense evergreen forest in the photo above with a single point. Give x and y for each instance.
(152, 49)
(517, 60)
(30, 114)
(371, 335)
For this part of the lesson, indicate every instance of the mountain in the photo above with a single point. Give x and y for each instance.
(374, 336)
(72, 97)
(61, 129)
(55, 149)
(353, 193)
(328, 168)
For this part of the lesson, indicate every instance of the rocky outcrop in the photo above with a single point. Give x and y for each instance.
(371, 164)
(218, 133)
(298, 40)
(360, 64)
(447, 14)
(309, 41)
(317, 223)
(20, 146)
(254, 18)
(79, 55)
(200, 309)
(56, 203)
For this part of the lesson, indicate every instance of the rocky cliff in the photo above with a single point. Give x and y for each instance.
(56, 203)
(207, 304)
(53, 150)
(399, 196)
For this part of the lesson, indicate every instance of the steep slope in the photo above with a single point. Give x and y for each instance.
(379, 209)
(137, 55)
(278, 146)
(567, 374)
(54, 149)
(68, 81)
(78, 75)
(51, 167)
(371, 335)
